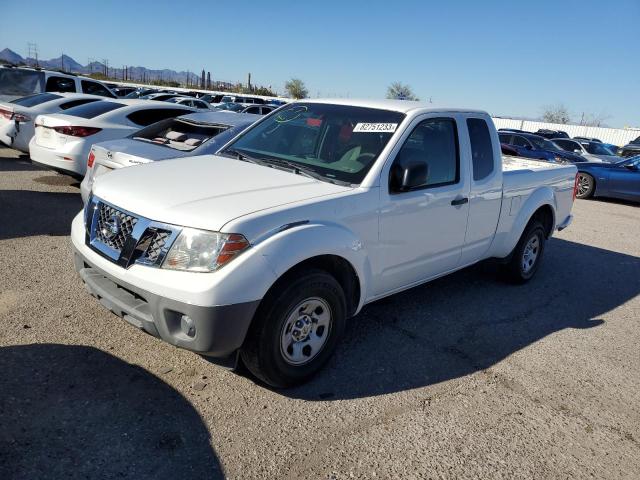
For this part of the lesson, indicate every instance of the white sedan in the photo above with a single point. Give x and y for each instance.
(62, 142)
(17, 116)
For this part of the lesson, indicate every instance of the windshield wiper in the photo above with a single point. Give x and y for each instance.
(303, 170)
(233, 153)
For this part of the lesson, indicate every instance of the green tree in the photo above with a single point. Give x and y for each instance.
(400, 91)
(296, 88)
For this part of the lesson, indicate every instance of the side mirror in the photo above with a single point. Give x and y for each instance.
(631, 166)
(528, 147)
(409, 177)
(577, 150)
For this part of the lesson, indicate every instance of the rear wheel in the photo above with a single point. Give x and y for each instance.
(586, 185)
(296, 330)
(526, 256)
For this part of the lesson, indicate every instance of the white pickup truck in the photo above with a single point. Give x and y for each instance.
(263, 251)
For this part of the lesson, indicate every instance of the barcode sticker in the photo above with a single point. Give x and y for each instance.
(375, 127)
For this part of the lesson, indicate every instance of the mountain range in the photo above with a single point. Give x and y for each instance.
(68, 64)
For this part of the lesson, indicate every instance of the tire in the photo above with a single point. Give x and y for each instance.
(586, 185)
(296, 329)
(525, 259)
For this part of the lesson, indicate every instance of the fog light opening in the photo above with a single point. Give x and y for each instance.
(188, 326)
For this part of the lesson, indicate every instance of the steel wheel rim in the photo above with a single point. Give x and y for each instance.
(530, 254)
(583, 184)
(305, 331)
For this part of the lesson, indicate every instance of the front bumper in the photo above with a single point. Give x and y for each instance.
(216, 331)
(567, 221)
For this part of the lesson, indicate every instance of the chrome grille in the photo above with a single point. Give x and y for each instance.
(158, 241)
(113, 226)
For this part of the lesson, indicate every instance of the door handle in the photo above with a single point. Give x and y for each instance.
(459, 201)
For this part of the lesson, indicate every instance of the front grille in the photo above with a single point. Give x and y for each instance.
(158, 240)
(113, 226)
(125, 238)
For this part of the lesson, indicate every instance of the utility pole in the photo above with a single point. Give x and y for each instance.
(105, 63)
(249, 81)
(33, 51)
(62, 62)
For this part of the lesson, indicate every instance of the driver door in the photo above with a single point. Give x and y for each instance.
(422, 231)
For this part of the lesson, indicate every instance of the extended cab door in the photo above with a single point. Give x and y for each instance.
(485, 197)
(422, 231)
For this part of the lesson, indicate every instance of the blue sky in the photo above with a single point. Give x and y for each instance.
(507, 57)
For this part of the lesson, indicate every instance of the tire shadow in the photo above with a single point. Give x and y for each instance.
(469, 321)
(78, 412)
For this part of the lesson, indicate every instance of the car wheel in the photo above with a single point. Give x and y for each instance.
(296, 330)
(527, 255)
(586, 185)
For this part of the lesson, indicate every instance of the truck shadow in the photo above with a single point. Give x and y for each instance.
(26, 213)
(77, 412)
(469, 321)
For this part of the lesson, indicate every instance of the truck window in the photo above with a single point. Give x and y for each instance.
(94, 88)
(481, 148)
(19, 82)
(435, 142)
(60, 84)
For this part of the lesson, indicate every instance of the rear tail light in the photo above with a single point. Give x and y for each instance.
(77, 131)
(19, 117)
(8, 114)
(575, 186)
(91, 159)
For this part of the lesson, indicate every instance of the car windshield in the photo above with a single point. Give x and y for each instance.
(37, 99)
(20, 82)
(93, 109)
(235, 107)
(637, 140)
(543, 143)
(333, 142)
(597, 149)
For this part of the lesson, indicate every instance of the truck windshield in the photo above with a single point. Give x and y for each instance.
(337, 142)
(18, 82)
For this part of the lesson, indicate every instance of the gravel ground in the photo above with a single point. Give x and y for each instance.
(463, 378)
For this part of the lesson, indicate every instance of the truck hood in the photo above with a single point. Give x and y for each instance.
(206, 191)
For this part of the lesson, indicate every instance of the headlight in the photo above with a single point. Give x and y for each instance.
(202, 251)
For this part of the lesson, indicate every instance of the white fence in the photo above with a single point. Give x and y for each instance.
(616, 136)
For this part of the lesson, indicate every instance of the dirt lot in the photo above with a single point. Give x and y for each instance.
(463, 378)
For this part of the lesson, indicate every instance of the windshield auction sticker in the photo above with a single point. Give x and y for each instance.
(375, 127)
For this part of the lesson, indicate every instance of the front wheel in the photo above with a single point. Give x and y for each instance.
(527, 255)
(586, 185)
(296, 330)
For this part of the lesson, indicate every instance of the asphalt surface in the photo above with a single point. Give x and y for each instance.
(466, 377)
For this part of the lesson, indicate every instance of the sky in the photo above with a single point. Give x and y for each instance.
(511, 58)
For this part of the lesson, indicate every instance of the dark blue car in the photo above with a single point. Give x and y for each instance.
(616, 180)
(534, 146)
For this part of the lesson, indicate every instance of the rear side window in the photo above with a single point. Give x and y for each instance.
(434, 142)
(60, 84)
(76, 103)
(149, 116)
(93, 109)
(481, 148)
(94, 88)
(33, 100)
